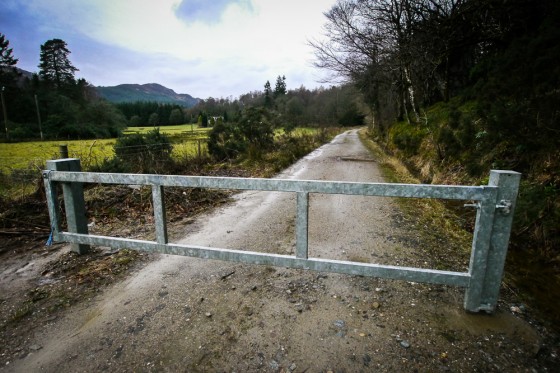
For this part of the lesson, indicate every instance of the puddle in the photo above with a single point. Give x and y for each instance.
(498, 323)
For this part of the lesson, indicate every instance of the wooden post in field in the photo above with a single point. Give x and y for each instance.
(39, 117)
(63, 150)
(4, 111)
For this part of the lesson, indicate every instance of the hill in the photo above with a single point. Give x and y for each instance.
(145, 92)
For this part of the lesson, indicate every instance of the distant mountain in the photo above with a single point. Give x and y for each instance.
(22, 74)
(146, 92)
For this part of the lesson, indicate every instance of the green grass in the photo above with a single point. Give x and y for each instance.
(21, 163)
(183, 130)
(436, 222)
(33, 155)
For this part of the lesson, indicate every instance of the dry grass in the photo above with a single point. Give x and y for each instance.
(437, 220)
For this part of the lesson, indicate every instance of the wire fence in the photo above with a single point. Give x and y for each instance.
(21, 163)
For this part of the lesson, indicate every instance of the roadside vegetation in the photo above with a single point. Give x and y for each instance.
(457, 88)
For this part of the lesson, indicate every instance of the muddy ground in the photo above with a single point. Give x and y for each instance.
(129, 311)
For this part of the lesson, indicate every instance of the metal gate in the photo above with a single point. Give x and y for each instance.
(494, 202)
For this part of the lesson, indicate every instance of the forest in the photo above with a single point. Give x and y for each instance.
(459, 87)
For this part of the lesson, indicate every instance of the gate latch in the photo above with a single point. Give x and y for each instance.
(504, 206)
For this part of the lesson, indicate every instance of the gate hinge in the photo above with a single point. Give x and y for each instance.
(46, 174)
(504, 206)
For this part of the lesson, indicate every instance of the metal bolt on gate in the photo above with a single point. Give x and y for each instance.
(495, 204)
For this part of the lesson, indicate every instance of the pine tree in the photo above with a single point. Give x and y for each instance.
(7, 61)
(55, 67)
(280, 88)
(267, 98)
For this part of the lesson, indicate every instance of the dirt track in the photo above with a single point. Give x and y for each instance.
(185, 314)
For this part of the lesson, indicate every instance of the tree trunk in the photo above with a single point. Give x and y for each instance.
(410, 90)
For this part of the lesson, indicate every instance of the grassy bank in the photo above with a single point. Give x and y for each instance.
(530, 274)
(441, 229)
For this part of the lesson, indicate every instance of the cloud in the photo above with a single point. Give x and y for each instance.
(206, 48)
(206, 11)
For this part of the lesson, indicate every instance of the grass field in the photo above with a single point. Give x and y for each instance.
(32, 155)
(183, 130)
(21, 163)
(187, 141)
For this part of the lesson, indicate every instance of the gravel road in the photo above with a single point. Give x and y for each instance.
(187, 314)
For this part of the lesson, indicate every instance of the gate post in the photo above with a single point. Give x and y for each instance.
(74, 202)
(490, 243)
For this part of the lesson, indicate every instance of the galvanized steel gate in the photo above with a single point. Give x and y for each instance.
(494, 202)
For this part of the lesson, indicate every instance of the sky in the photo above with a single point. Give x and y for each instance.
(206, 48)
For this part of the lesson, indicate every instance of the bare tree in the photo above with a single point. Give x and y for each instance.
(414, 52)
(371, 41)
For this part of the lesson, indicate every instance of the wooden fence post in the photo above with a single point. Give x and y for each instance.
(63, 150)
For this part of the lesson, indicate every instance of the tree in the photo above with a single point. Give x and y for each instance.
(6, 57)
(203, 119)
(267, 91)
(7, 61)
(256, 127)
(135, 121)
(176, 116)
(252, 135)
(280, 88)
(153, 120)
(408, 54)
(55, 67)
(102, 118)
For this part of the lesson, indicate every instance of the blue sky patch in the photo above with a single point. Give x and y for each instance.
(206, 11)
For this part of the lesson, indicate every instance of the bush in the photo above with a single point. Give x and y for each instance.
(225, 142)
(143, 153)
(407, 137)
(251, 135)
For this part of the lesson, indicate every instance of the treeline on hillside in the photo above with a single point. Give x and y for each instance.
(246, 129)
(334, 106)
(461, 86)
(154, 114)
(52, 104)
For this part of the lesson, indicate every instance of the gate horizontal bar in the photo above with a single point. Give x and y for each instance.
(456, 192)
(315, 264)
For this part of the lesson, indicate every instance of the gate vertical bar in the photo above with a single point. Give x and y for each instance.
(52, 205)
(74, 202)
(490, 241)
(302, 225)
(508, 187)
(479, 253)
(159, 214)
